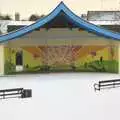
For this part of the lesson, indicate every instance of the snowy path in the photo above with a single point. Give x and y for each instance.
(58, 96)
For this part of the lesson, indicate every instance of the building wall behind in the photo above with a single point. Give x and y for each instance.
(103, 15)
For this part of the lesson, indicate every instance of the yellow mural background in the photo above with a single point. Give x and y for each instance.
(75, 58)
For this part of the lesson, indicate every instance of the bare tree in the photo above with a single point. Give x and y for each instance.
(35, 17)
(5, 17)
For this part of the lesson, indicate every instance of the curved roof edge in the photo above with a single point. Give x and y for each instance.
(61, 7)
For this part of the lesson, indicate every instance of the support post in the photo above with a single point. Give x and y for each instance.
(119, 59)
(2, 59)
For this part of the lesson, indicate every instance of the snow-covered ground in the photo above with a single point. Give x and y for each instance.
(61, 96)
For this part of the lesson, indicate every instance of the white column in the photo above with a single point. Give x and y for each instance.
(2, 59)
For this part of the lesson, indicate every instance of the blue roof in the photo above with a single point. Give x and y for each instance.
(70, 15)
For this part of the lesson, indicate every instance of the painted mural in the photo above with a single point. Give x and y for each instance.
(36, 59)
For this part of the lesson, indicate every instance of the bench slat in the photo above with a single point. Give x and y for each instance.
(10, 94)
(10, 90)
(108, 83)
(115, 80)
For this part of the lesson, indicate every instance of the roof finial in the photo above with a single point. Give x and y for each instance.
(61, 2)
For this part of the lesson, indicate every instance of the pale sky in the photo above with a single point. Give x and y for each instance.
(28, 7)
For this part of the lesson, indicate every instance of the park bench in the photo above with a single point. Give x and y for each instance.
(15, 93)
(107, 84)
